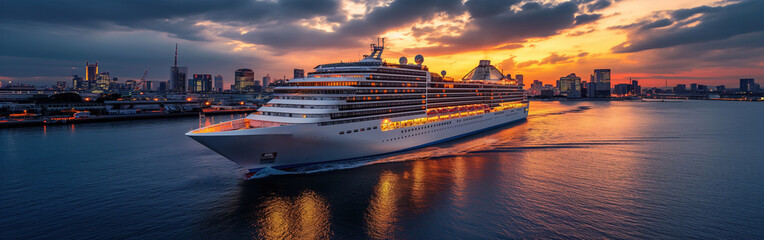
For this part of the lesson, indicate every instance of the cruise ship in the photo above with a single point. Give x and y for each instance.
(351, 110)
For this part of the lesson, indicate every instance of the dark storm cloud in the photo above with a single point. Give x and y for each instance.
(657, 24)
(714, 24)
(587, 18)
(598, 5)
(532, 20)
(175, 17)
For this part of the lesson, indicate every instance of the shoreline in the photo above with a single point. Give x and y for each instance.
(112, 118)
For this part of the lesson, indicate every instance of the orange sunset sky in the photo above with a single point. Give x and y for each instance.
(657, 42)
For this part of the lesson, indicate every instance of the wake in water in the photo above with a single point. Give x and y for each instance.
(489, 143)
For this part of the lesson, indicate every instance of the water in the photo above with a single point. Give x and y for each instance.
(690, 169)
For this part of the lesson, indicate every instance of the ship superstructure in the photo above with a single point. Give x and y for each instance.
(365, 108)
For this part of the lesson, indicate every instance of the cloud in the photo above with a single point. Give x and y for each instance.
(555, 58)
(488, 8)
(527, 64)
(587, 18)
(715, 23)
(580, 33)
(531, 20)
(509, 46)
(598, 5)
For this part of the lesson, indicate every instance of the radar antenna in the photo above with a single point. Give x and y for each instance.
(376, 50)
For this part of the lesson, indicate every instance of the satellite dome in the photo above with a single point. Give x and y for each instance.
(419, 59)
(403, 61)
(443, 73)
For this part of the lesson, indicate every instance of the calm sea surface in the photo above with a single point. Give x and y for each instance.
(691, 169)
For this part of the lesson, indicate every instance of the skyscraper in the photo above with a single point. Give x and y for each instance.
(519, 78)
(602, 81)
(266, 81)
(218, 83)
(102, 81)
(202, 83)
(746, 84)
(694, 88)
(680, 88)
(244, 79)
(178, 75)
(78, 83)
(299, 73)
(91, 70)
(570, 86)
(162, 86)
(636, 90)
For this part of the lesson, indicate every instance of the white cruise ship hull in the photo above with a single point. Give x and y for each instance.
(303, 144)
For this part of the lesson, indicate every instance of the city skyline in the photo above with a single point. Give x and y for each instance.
(675, 42)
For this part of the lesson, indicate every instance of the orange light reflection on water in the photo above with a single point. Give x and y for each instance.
(303, 217)
(382, 212)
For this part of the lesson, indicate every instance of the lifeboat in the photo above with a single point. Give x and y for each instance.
(471, 108)
(462, 109)
(452, 110)
(442, 110)
(432, 112)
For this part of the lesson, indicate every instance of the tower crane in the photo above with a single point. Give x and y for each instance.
(142, 81)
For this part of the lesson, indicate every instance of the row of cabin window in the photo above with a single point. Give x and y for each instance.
(379, 105)
(384, 98)
(307, 98)
(374, 112)
(425, 127)
(356, 130)
(436, 125)
(368, 118)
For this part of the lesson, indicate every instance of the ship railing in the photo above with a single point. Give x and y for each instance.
(238, 124)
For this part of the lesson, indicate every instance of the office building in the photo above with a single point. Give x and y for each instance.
(130, 84)
(162, 86)
(680, 88)
(636, 90)
(694, 88)
(91, 71)
(78, 83)
(60, 85)
(102, 81)
(218, 83)
(299, 73)
(747, 85)
(721, 88)
(266, 81)
(519, 78)
(601, 78)
(178, 75)
(622, 89)
(244, 79)
(591, 89)
(570, 86)
(202, 83)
